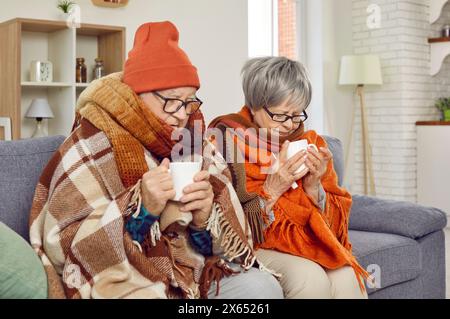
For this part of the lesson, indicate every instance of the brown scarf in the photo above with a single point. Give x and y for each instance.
(116, 110)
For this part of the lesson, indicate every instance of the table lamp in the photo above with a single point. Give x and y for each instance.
(39, 109)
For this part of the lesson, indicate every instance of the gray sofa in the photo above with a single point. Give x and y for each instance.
(402, 242)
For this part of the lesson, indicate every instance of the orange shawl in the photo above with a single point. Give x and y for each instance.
(300, 227)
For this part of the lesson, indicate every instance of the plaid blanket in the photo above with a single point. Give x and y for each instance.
(77, 227)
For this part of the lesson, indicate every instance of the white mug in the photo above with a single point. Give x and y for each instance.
(183, 174)
(294, 148)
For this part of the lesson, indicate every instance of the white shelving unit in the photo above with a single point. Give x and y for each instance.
(27, 40)
(439, 50)
(436, 7)
(439, 47)
(82, 85)
(43, 85)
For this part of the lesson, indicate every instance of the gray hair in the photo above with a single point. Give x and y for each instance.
(270, 81)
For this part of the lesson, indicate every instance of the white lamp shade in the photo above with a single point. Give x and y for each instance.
(39, 108)
(360, 69)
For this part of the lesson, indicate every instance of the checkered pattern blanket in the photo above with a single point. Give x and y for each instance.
(77, 227)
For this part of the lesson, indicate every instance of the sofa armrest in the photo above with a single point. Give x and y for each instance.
(395, 217)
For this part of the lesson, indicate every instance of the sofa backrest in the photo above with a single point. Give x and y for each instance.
(335, 146)
(21, 164)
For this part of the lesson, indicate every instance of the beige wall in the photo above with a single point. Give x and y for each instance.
(338, 100)
(213, 33)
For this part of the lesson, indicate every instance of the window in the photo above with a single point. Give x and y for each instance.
(280, 28)
(273, 28)
(261, 25)
(287, 29)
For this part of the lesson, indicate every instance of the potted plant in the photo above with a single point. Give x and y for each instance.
(65, 6)
(443, 105)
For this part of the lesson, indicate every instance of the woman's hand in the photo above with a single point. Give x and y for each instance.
(198, 199)
(157, 188)
(317, 163)
(278, 183)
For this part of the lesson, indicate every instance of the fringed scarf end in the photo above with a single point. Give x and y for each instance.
(361, 275)
(213, 225)
(233, 247)
(155, 233)
(270, 271)
(257, 220)
(134, 205)
(214, 270)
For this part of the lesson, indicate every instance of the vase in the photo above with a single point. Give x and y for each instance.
(64, 16)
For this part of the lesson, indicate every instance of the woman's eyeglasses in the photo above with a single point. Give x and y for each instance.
(172, 106)
(281, 118)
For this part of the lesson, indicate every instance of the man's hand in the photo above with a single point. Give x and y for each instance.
(157, 188)
(198, 199)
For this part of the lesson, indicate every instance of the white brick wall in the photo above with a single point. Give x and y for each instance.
(408, 93)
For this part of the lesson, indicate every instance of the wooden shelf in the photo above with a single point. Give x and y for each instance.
(432, 123)
(46, 84)
(36, 25)
(97, 30)
(25, 40)
(438, 40)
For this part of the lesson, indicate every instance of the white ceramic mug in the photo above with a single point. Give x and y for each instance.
(183, 174)
(294, 148)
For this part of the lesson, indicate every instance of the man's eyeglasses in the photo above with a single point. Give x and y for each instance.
(172, 106)
(281, 118)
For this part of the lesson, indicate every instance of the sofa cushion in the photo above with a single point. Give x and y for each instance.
(399, 258)
(395, 217)
(22, 274)
(335, 146)
(21, 165)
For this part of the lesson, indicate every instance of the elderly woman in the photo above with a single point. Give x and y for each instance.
(301, 232)
(103, 219)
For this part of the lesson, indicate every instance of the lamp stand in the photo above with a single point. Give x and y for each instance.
(367, 151)
(39, 132)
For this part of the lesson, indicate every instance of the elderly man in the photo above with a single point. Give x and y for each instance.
(104, 221)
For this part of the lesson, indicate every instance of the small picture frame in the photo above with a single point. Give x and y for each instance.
(5, 123)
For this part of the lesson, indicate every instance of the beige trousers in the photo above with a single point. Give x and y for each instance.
(305, 279)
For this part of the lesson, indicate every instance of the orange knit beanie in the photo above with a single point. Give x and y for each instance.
(156, 62)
